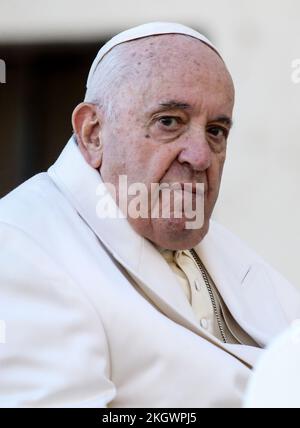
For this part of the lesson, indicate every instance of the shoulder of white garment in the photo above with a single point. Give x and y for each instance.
(42, 308)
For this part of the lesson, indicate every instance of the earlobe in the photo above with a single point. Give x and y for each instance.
(87, 126)
(96, 154)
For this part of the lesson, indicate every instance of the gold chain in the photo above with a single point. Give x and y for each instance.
(210, 292)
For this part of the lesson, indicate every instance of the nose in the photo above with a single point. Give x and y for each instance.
(196, 151)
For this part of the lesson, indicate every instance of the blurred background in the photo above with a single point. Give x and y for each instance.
(48, 48)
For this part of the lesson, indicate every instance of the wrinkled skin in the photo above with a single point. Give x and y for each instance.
(171, 121)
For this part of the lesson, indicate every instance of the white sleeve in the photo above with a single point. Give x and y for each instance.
(275, 381)
(55, 351)
(287, 294)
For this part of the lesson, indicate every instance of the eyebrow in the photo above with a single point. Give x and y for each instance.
(225, 120)
(172, 105)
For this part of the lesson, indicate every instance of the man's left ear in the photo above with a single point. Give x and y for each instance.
(86, 121)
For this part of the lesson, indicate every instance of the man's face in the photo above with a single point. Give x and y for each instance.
(170, 125)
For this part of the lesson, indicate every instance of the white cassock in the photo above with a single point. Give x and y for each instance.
(95, 316)
(276, 380)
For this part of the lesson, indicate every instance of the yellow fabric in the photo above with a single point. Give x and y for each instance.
(190, 277)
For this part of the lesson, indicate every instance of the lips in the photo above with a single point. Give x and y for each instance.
(195, 188)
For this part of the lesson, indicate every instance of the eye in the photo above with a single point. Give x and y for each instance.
(218, 132)
(170, 123)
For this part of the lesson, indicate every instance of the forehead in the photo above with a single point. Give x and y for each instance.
(169, 66)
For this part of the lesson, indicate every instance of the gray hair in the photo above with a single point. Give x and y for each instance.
(108, 78)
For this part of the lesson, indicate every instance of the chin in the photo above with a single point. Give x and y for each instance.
(173, 235)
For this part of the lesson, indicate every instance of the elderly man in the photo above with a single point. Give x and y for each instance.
(135, 311)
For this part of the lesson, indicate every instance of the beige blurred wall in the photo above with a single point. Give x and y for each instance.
(259, 40)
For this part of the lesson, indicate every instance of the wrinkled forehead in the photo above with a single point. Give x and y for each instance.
(167, 63)
(162, 50)
(143, 31)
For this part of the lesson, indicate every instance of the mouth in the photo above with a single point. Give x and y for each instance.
(195, 188)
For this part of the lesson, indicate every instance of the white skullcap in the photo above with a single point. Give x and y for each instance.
(146, 30)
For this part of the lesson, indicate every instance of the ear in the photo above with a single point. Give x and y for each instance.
(86, 121)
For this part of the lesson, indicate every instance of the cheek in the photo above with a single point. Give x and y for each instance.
(133, 154)
(151, 161)
(221, 162)
(166, 162)
(215, 171)
(113, 161)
